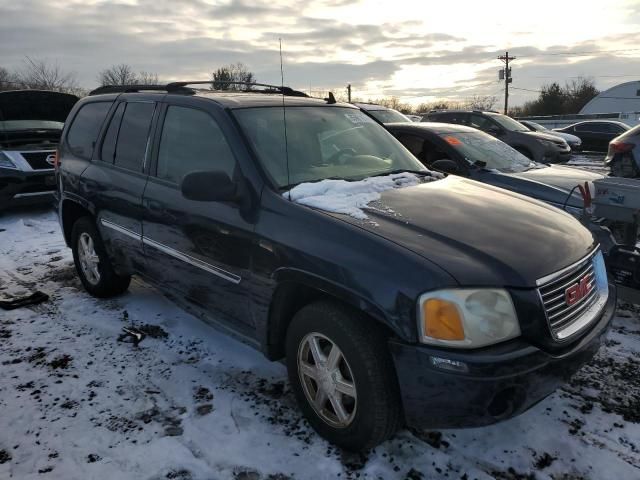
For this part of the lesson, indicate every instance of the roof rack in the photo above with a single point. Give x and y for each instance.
(183, 87)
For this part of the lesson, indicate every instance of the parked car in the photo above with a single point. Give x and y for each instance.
(448, 303)
(414, 118)
(534, 145)
(574, 142)
(595, 134)
(383, 114)
(623, 155)
(31, 122)
(474, 154)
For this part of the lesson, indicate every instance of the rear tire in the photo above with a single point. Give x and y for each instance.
(92, 262)
(363, 386)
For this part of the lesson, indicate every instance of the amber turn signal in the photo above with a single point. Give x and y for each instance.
(442, 320)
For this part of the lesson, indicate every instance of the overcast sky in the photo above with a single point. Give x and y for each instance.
(415, 49)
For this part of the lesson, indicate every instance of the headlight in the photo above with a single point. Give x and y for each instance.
(467, 318)
(5, 161)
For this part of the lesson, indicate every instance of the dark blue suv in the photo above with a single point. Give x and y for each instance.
(304, 228)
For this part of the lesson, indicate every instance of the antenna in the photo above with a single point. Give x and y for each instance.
(284, 117)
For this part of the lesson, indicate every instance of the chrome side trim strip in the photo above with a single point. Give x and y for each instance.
(193, 261)
(552, 276)
(231, 277)
(33, 194)
(118, 228)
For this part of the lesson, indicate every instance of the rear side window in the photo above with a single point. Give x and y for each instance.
(84, 130)
(460, 118)
(108, 152)
(133, 135)
(192, 141)
(590, 127)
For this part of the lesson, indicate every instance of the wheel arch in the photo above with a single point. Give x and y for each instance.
(70, 211)
(294, 290)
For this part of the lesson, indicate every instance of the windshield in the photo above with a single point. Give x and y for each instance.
(323, 142)
(536, 126)
(18, 125)
(388, 116)
(508, 122)
(497, 155)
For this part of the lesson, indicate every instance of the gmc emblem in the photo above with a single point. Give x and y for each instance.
(577, 291)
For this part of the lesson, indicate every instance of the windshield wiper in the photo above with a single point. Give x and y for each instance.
(401, 170)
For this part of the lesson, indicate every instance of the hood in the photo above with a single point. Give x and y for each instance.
(480, 234)
(35, 105)
(567, 136)
(549, 184)
(543, 136)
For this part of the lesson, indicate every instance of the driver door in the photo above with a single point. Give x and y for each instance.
(200, 249)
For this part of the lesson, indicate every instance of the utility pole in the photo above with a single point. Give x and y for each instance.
(349, 93)
(506, 74)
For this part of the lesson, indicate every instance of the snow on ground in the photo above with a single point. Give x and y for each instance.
(351, 198)
(593, 161)
(75, 403)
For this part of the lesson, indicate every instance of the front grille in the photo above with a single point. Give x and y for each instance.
(38, 160)
(567, 297)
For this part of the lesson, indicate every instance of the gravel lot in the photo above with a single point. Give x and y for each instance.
(191, 403)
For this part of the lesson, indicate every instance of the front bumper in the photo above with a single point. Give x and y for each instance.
(19, 188)
(496, 382)
(557, 156)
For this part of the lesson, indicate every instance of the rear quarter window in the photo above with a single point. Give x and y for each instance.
(84, 130)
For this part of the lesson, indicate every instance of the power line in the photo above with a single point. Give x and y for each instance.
(579, 54)
(587, 75)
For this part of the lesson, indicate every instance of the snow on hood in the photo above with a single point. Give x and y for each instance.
(350, 198)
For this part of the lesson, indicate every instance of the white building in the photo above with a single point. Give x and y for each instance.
(623, 99)
(621, 102)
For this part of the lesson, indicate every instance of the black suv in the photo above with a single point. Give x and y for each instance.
(307, 230)
(31, 122)
(541, 147)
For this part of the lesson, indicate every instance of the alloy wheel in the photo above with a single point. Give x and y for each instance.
(327, 380)
(89, 260)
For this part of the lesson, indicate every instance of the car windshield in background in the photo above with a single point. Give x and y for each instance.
(21, 125)
(336, 142)
(536, 126)
(497, 155)
(388, 116)
(508, 122)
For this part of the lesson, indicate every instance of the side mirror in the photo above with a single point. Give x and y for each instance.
(214, 186)
(446, 165)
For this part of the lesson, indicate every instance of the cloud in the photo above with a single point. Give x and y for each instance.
(325, 43)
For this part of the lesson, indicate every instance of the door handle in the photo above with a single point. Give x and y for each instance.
(154, 206)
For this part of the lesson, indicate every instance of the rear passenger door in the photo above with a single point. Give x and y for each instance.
(200, 249)
(117, 177)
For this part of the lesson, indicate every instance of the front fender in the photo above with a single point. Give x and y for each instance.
(340, 292)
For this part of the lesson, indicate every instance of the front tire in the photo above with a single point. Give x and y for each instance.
(342, 375)
(92, 262)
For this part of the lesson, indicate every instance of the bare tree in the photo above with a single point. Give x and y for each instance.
(121, 74)
(40, 74)
(148, 78)
(481, 102)
(8, 80)
(235, 72)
